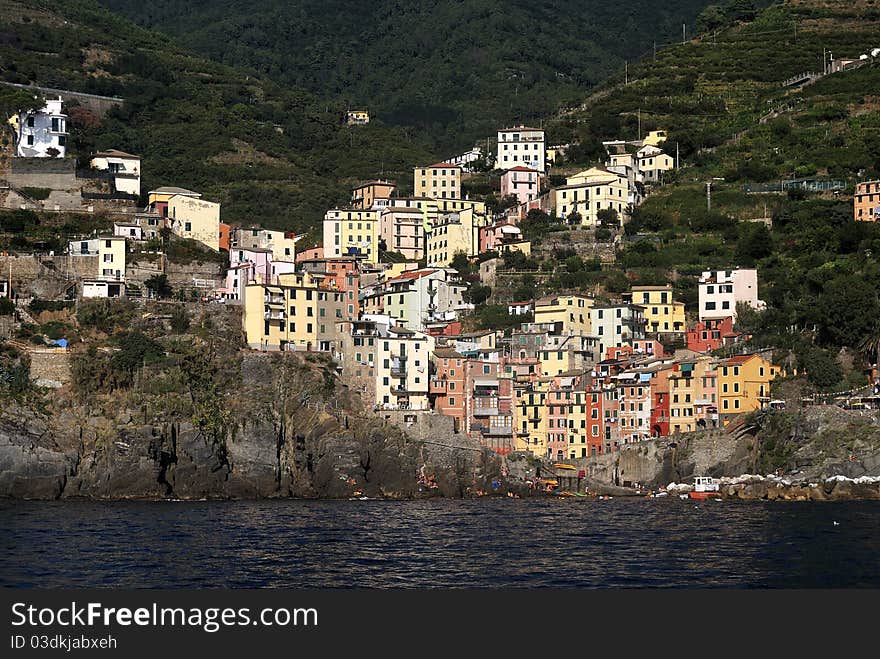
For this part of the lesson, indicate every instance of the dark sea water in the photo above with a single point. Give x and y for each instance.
(417, 544)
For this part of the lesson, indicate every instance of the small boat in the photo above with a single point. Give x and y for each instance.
(705, 487)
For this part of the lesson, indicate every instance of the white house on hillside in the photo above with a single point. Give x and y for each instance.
(41, 133)
(126, 169)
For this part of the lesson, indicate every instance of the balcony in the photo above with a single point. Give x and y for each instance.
(274, 315)
(497, 431)
(398, 369)
(485, 406)
(274, 300)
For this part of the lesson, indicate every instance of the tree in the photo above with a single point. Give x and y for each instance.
(462, 264)
(179, 320)
(821, 367)
(158, 286)
(846, 310)
(574, 218)
(755, 242)
(711, 18)
(7, 306)
(477, 294)
(608, 217)
(574, 264)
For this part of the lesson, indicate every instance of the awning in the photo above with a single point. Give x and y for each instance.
(274, 289)
(485, 382)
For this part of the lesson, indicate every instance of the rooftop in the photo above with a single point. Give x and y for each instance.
(169, 189)
(115, 153)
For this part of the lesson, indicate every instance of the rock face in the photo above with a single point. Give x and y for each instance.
(807, 447)
(284, 449)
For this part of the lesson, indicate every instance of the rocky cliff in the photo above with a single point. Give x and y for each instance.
(297, 443)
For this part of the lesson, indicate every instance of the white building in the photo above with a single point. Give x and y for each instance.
(125, 168)
(418, 297)
(617, 325)
(467, 159)
(130, 230)
(388, 365)
(652, 162)
(521, 146)
(41, 133)
(721, 290)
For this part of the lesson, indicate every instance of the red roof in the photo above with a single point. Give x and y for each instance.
(413, 274)
(445, 164)
(520, 168)
(740, 359)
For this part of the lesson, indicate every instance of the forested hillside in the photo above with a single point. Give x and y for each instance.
(272, 154)
(455, 69)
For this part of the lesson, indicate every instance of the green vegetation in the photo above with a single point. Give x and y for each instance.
(7, 306)
(37, 194)
(262, 149)
(452, 69)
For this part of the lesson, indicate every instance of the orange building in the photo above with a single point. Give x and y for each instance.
(225, 230)
(866, 202)
(446, 387)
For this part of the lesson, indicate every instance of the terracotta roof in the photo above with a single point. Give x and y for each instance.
(412, 274)
(441, 164)
(520, 168)
(740, 359)
(447, 353)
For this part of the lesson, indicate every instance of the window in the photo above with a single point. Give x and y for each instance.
(30, 140)
(187, 226)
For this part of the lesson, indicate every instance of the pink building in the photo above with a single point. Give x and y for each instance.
(493, 237)
(522, 183)
(316, 252)
(250, 266)
(403, 231)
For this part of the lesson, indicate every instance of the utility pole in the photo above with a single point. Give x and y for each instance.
(676, 156)
(640, 123)
(709, 196)
(683, 32)
(655, 49)
(626, 72)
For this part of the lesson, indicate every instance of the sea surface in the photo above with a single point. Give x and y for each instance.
(439, 543)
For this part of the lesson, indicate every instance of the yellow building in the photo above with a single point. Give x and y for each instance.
(159, 197)
(662, 313)
(450, 234)
(439, 181)
(573, 311)
(352, 231)
(357, 117)
(294, 314)
(530, 421)
(195, 219)
(524, 246)
(365, 195)
(744, 383)
(111, 258)
(655, 138)
(555, 361)
(590, 191)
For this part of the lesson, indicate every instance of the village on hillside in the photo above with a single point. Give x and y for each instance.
(384, 297)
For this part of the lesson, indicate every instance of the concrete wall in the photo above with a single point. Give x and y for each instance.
(54, 173)
(100, 105)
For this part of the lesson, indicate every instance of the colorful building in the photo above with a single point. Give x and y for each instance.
(744, 383)
(441, 180)
(866, 202)
(721, 290)
(521, 182)
(292, 313)
(662, 313)
(195, 219)
(352, 232)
